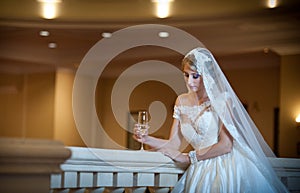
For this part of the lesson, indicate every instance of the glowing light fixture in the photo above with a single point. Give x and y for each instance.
(298, 121)
(163, 34)
(44, 33)
(52, 45)
(162, 8)
(272, 3)
(106, 34)
(49, 8)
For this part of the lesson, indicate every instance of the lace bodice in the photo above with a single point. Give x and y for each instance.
(199, 124)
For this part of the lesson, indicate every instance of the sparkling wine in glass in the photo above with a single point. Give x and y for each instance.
(142, 126)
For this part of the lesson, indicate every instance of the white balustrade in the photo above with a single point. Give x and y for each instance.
(288, 170)
(40, 166)
(117, 171)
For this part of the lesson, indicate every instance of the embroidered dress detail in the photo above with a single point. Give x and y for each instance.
(195, 121)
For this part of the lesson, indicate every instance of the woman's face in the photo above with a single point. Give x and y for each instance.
(192, 79)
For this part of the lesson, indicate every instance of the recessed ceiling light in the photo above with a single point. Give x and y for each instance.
(106, 34)
(162, 8)
(272, 3)
(49, 8)
(44, 33)
(49, 1)
(52, 45)
(163, 34)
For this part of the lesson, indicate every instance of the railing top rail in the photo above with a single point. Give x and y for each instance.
(120, 160)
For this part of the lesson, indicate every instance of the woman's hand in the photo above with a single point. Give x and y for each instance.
(139, 138)
(175, 155)
(137, 134)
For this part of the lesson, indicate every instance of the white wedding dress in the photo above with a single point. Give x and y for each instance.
(234, 172)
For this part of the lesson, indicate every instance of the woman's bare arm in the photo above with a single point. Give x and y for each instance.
(173, 142)
(223, 146)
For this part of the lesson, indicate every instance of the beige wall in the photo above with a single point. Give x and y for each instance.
(64, 125)
(289, 105)
(12, 109)
(26, 102)
(38, 105)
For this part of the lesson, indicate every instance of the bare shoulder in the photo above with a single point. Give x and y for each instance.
(182, 99)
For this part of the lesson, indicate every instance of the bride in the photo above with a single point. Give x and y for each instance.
(229, 155)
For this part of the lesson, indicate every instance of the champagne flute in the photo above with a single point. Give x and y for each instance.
(142, 126)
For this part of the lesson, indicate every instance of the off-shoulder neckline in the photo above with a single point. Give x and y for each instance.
(204, 104)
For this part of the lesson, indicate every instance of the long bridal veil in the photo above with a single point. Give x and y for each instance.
(234, 116)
